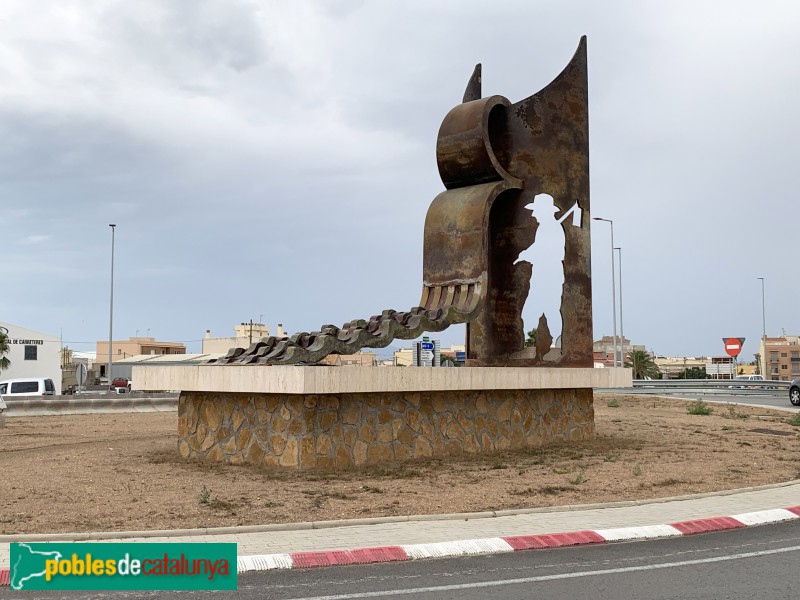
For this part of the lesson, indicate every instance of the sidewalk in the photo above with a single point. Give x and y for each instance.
(751, 506)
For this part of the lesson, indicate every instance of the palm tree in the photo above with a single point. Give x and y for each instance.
(641, 362)
(4, 362)
(531, 340)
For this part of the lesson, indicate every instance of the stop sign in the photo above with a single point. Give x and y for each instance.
(733, 346)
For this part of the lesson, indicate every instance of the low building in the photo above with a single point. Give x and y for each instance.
(135, 346)
(32, 354)
(357, 359)
(715, 367)
(403, 357)
(672, 367)
(245, 334)
(124, 367)
(70, 359)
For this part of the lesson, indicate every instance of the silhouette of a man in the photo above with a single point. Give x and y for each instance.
(546, 256)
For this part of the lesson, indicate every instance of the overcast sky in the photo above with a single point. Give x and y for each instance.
(275, 160)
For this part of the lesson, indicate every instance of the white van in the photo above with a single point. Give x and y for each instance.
(27, 386)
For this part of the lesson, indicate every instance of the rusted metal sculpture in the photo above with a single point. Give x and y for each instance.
(510, 171)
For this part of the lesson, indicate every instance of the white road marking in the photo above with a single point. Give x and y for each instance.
(483, 584)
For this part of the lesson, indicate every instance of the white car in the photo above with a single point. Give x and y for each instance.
(27, 386)
(751, 377)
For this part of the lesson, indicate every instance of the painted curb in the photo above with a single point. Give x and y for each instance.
(330, 558)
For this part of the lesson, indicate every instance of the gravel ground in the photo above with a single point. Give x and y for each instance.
(122, 472)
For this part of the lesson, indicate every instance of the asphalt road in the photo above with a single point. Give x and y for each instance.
(757, 562)
(754, 400)
(753, 563)
(768, 400)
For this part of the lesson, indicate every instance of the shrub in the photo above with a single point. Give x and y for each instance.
(699, 408)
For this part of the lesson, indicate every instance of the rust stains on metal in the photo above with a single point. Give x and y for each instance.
(496, 160)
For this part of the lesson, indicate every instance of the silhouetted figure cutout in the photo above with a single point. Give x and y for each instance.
(546, 256)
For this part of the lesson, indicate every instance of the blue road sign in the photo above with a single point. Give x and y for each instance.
(426, 345)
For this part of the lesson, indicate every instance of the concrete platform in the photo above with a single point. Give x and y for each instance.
(339, 417)
(355, 380)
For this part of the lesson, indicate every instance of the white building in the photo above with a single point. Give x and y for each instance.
(32, 354)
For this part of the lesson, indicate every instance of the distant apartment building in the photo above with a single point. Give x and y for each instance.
(245, 334)
(122, 349)
(779, 358)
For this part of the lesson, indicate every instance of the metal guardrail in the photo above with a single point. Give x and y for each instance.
(733, 387)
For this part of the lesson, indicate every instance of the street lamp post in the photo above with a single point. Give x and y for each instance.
(613, 286)
(621, 328)
(111, 308)
(763, 331)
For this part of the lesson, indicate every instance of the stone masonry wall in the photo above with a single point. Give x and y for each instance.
(339, 431)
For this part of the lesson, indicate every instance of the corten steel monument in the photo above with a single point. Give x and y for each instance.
(513, 219)
(511, 172)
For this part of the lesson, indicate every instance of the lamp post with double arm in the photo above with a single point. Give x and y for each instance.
(613, 286)
(621, 328)
(111, 308)
(763, 331)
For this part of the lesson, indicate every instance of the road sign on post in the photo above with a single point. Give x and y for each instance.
(80, 373)
(733, 346)
(426, 346)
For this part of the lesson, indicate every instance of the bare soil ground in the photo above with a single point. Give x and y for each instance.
(122, 472)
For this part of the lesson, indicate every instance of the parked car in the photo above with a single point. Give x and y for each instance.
(794, 392)
(751, 377)
(121, 385)
(27, 386)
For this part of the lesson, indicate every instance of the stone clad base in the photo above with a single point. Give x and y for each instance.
(331, 431)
